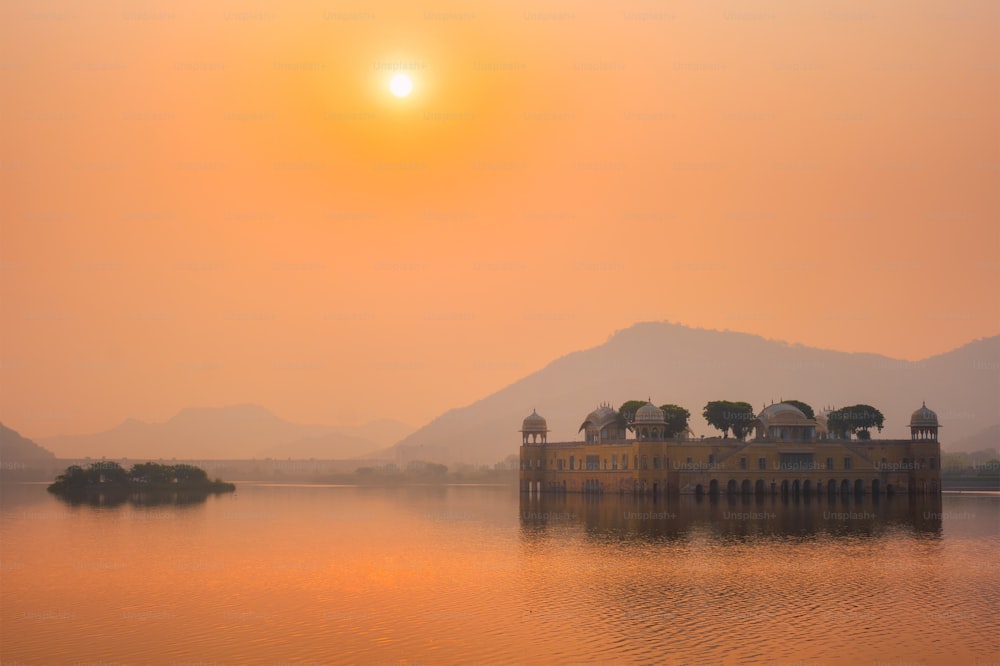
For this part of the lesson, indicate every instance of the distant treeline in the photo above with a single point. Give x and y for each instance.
(979, 470)
(976, 463)
(421, 472)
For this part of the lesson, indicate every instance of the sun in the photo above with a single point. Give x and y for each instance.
(401, 85)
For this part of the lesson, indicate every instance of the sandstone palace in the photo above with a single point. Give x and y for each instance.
(785, 452)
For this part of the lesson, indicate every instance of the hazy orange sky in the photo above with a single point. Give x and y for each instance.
(213, 203)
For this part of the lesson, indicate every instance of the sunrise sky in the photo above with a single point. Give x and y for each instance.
(213, 203)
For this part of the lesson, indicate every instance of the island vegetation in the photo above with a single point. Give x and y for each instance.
(111, 478)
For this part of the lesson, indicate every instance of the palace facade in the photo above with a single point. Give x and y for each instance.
(788, 453)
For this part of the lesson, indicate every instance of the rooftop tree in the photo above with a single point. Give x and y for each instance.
(803, 407)
(726, 415)
(676, 418)
(854, 420)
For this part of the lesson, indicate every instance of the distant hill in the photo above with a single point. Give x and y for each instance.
(672, 363)
(23, 460)
(14, 447)
(234, 432)
(984, 440)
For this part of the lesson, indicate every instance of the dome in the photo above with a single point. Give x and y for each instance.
(649, 413)
(534, 422)
(783, 414)
(600, 417)
(924, 418)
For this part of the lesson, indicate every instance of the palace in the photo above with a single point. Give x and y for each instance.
(789, 453)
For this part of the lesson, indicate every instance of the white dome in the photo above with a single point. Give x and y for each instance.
(783, 414)
(534, 422)
(924, 418)
(649, 413)
(600, 418)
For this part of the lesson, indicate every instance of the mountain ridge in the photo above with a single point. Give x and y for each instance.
(15, 447)
(688, 366)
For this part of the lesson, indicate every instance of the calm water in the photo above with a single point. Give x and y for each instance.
(313, 574)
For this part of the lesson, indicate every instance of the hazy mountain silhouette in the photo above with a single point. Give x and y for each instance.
(23, 460)
(672, 363)
(15, 448)
(984, 440)
(358, 441)
(239, 431)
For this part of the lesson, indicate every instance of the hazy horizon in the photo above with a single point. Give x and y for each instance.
(413, 426)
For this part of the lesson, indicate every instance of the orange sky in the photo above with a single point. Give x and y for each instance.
(211, 204)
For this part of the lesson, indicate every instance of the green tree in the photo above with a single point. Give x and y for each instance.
(73, 476)
(107, 472)
(726, 415)
(854, 420)
(676, 418)
(715, 416)
(803, 407)
(152, 473)
(741, 416)
(190, 474)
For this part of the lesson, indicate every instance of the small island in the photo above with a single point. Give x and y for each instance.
(107, 477)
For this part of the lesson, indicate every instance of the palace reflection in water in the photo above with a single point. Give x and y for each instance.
(681, 517)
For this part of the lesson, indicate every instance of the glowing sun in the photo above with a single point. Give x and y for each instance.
(401, 85)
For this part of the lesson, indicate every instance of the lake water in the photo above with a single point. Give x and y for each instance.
(464, 574)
